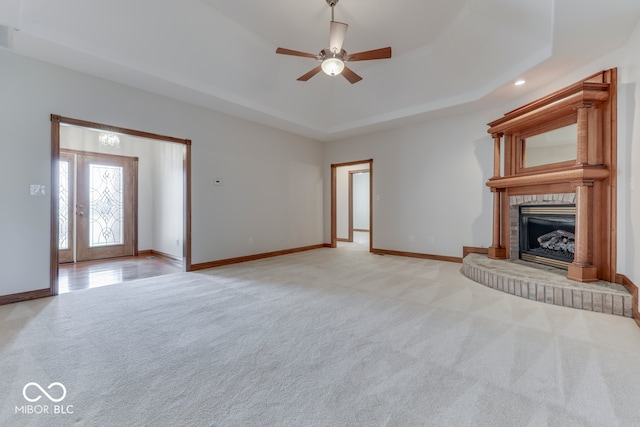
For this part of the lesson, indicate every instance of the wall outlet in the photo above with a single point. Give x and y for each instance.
(177, 242)
(432, 239)
(250, 241)
(411, 238)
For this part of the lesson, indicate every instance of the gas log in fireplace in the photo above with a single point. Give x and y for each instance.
(547, 234)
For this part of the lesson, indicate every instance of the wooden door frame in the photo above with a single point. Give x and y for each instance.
(334, 207)
(56, 121)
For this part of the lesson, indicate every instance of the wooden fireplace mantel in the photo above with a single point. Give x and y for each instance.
(591, 105)
(575, 173)
(557, 105)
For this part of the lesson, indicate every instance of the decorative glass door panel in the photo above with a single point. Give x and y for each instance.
(65, 208)
(104, 206)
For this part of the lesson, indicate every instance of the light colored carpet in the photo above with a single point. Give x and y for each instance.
(330, 337)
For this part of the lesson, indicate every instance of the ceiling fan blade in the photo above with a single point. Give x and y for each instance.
(337, 33)
(284, 51)
(310, 74)
(350, 75)
(383, 53)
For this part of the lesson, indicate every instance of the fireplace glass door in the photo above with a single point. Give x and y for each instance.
(547, 234)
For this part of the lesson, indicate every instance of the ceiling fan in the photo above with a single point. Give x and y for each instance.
(333, 59)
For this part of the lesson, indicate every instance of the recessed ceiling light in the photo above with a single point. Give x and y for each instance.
(520, 82)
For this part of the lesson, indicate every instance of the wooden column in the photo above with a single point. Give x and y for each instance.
(497, 250)
(581, 269)
(496, 153)
(582, 154)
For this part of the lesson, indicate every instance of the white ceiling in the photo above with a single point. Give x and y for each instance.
(448, 55)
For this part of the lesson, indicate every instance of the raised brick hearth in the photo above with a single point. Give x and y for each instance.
(547, 285)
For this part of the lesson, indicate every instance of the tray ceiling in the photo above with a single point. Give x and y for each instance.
(447, 55)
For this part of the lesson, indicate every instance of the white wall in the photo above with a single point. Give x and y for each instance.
(361, 200)
(273, 180)
(168, 199)
(629, 159)
(428, 182)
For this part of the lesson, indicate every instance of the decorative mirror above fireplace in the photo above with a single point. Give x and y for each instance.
(563, 143)
(553, 147)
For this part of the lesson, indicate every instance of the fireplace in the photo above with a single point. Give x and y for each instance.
(539, 213)
(590, 176)
(547, 234)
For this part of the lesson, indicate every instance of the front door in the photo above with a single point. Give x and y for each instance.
(104, 206)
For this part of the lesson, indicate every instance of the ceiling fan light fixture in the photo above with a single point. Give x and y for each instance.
(333, 59)
(332, 66)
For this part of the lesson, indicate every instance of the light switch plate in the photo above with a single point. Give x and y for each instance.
(36, 190)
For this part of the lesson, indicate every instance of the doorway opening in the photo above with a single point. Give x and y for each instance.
(114, 214)
(351, 204)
